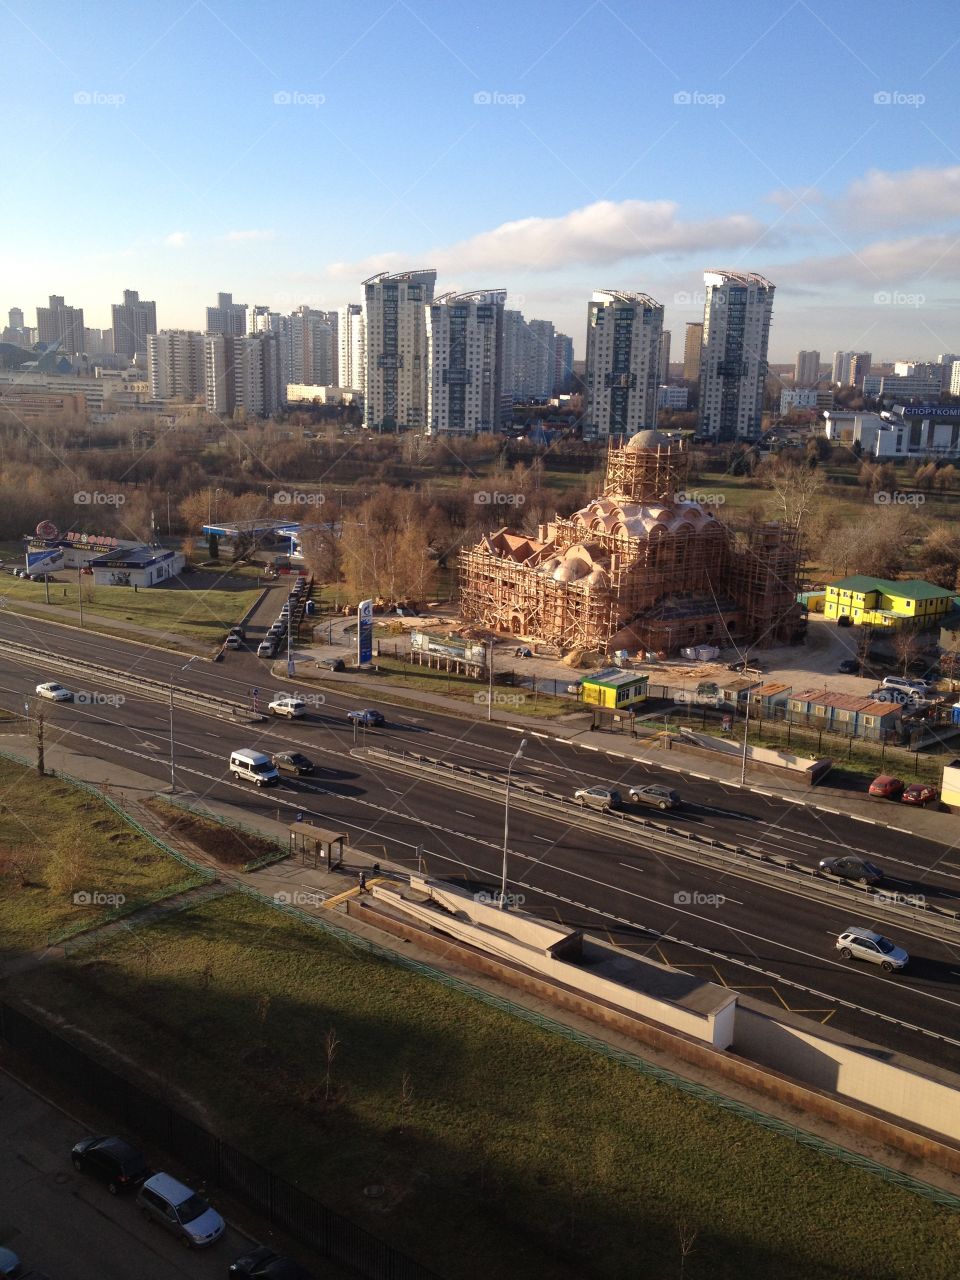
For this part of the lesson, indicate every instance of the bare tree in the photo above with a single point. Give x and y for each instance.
(796, 488)
(406, 1100)
(688, 1238)
(331, 1043)
(906, 645)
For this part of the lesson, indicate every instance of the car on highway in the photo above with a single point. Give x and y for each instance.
(293, 762)
(112, 1161)
(660, 797)
(886, 787)
(264, 1263)
(863, 944)
(164, 1200)
(368, 717)
(849, 667)
(602, 798)
(290, 705)
(919, 793)
(54, 692)
(267, 648)
(852, 868)
(254, 766)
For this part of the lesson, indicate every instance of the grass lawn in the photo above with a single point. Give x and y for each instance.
(197, 613)
(230, 845)
(499, 1149)
(56, 840)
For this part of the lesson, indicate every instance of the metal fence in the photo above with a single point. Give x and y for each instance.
(217, 1162)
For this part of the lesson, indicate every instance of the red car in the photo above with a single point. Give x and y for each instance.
(919, 793)
(886, 787)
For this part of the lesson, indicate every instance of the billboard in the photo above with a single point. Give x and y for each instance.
(364, 633)
(449, 647)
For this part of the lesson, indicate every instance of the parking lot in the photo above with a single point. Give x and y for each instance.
(70, 1227)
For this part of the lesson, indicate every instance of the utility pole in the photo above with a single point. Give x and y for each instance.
(490, 685)
(80, 591)
(40, 763)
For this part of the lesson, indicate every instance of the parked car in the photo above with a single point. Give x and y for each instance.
(112, 1161)
(290, 705)
(602, 798)
(332, 664)
(54, 692)
(919, 793)
(901, 682)
(264, 1263)
(293, 762)
(233, 642)
(849, 667)
(886, 787)
(267, 648)
(41, 577)
(368, 717)
(863, 944)
(852, 868)
(659, 796)
(165, 1200)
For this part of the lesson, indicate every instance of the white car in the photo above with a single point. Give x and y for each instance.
(55, 692)
(289, 705)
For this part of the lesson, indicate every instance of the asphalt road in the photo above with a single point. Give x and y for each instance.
(741, 931)
(68, 1226)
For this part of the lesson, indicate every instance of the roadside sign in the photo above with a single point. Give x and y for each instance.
(364, 633)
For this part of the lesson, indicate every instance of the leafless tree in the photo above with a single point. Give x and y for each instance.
(906, 646)
(331, 1043)
(796, 488)
(688, 1239)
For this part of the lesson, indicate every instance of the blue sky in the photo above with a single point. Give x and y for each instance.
(285, 151)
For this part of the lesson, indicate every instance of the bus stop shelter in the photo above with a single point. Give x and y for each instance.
(317, 846)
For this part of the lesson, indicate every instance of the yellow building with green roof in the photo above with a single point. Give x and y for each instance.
(880, 602)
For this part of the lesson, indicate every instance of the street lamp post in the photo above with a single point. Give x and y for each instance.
(506, 824)
(173, 780)
(490, 682)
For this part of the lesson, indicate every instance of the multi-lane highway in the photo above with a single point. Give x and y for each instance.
(739, 929)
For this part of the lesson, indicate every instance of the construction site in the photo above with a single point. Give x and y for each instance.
(638, 568)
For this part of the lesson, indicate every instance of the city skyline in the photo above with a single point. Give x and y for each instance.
(849, 200)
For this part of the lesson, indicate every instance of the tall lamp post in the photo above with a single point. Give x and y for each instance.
(506, 824)
(173, 781)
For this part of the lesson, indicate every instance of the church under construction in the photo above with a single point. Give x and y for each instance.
(638, 567)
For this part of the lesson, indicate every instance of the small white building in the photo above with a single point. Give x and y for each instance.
(137, 567)
(673, 397)
(308, 393)
(906, 431)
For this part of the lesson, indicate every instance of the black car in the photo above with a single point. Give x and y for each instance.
(264, 1263)
(332, 664)
(852, 868)
(293, 762)
(743, 665)
(238, 631)
(113, 1161)
(849, 667)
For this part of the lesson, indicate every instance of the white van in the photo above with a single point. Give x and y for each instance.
(254, 766)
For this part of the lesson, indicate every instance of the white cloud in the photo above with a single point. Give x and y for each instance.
(598, 234)
(884, 262)
(177, 239)
(236, 237)
(911, 197)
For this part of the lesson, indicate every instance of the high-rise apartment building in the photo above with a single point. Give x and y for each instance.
(514, 347)
(353, 346)
(133, 320)
(693, 341)
(175, 365)
(242, 372)
(806, 372)
(624, 332)
(563, 365)
(465, 339)
(15, 318)
(733, 360)
(312, 345)
(58, 323)
(540, 359)
(664, 373)
(397, 368)
(850, 367)
(227, 316)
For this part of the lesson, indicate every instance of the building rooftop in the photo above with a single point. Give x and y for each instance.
(613, 677)
(907, 589)
(846, 701)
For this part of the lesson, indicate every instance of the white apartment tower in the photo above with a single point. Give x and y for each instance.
(623, 363)
(175, 368)
(353, 346)
(733, 359)
(312, 355)
(397, 368)
(465, 338)
(540, 359)
(227, 316)
(242, 373)
(806, 372)
(850, 367)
